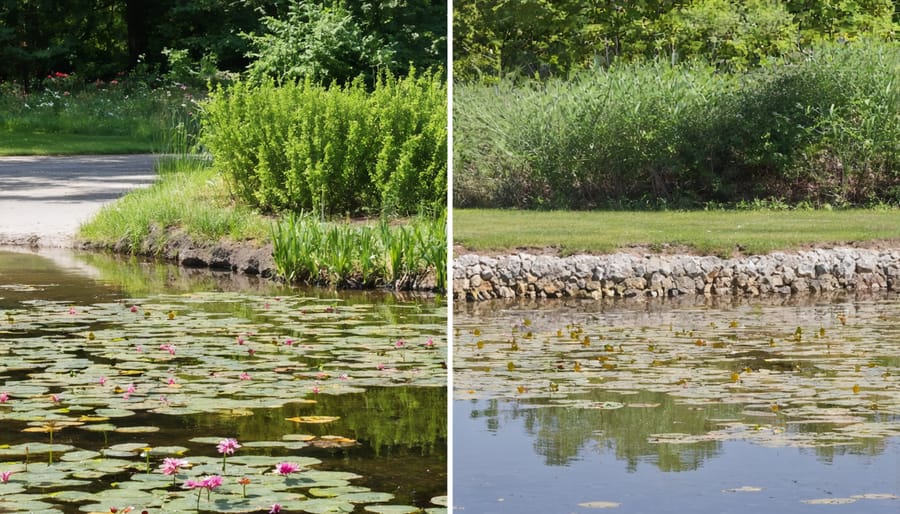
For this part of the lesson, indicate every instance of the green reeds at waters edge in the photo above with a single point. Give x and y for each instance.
(401, 256)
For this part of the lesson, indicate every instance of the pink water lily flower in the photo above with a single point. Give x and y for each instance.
(4, 476)
(245, 376)
(170, 465)
(211, 482)
(228, 446)
(400, 344)
(276, 508)
(4, 397)
(286, 468)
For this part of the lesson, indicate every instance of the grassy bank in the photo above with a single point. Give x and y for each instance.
(192, 196)
(709, 232)
(188, 194)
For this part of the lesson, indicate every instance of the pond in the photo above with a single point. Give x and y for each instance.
(700, 405)
(127, 385)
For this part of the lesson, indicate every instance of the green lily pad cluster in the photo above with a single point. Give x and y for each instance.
(808, 375)
(79, 380)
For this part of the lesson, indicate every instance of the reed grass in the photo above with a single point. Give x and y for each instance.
(361, 255)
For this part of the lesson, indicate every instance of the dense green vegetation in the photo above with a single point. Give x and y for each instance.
(102, 38)
(67, 116)
(652, 104)
(821, 128)
(333, 150)
(721, 232)
(496, 38)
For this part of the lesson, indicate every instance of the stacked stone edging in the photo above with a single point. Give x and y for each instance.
(625, 275)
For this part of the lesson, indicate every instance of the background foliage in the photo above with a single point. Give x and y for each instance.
(495, 38)
(100, 38)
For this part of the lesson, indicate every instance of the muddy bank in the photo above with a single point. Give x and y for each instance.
(625, 275)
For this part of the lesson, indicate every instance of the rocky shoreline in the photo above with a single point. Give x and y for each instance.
(624, 275)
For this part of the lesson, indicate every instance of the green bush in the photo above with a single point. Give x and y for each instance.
(337, 150)
(821, 128)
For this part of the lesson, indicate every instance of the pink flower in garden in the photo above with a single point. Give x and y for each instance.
(102, 380)
(139, 348)
(4, 476)
(193, 484)
(172, 381)
(251, 351)
(170, 466)
(113, 82)
(72, 310)
(240, 340)
(429, 343)
(380, 366)
(168, 347)
(133, 308)
(289, 341)
(131, 388)
(56, 398)
(4, 397)
(316, 390)
(245, 376)
(400, 343)
(322, 375)
(227, 446)
(344, 376)
(276, 508)
(286, 468)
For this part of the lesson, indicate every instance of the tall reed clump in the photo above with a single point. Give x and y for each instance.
(335, 150)
(821, 127)
(361, 255)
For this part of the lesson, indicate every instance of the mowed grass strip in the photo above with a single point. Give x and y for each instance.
(25, 142)
(707, 232)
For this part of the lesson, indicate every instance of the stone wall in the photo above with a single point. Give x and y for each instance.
(626, 276)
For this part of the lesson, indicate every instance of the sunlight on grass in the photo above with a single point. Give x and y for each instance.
(713, 232)
(188, 194)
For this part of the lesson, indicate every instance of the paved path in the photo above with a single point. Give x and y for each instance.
(43, 200)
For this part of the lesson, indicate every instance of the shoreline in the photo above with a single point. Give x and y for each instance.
(629, 275)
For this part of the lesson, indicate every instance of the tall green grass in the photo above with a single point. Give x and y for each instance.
(821, 128)
(361, 255)
(335, 150)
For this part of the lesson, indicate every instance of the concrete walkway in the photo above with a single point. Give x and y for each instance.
(43, 200)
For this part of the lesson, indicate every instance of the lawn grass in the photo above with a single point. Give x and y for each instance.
(35, 142)
(707, 232)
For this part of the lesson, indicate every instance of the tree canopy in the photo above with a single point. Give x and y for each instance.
(329, 39)
(493, 38)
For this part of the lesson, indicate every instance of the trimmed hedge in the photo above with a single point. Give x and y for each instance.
(336, 150)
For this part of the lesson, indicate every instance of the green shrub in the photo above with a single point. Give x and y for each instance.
(821, 128)
(334, 150)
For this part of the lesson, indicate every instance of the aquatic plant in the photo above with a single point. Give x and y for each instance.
(227, 447)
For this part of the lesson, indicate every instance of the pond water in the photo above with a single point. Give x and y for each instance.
(108, 367)
(699, 405)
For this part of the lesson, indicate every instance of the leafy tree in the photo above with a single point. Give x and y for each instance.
(320, 43)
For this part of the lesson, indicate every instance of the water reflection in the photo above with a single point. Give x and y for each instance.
(504, 469)
(675, 406)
